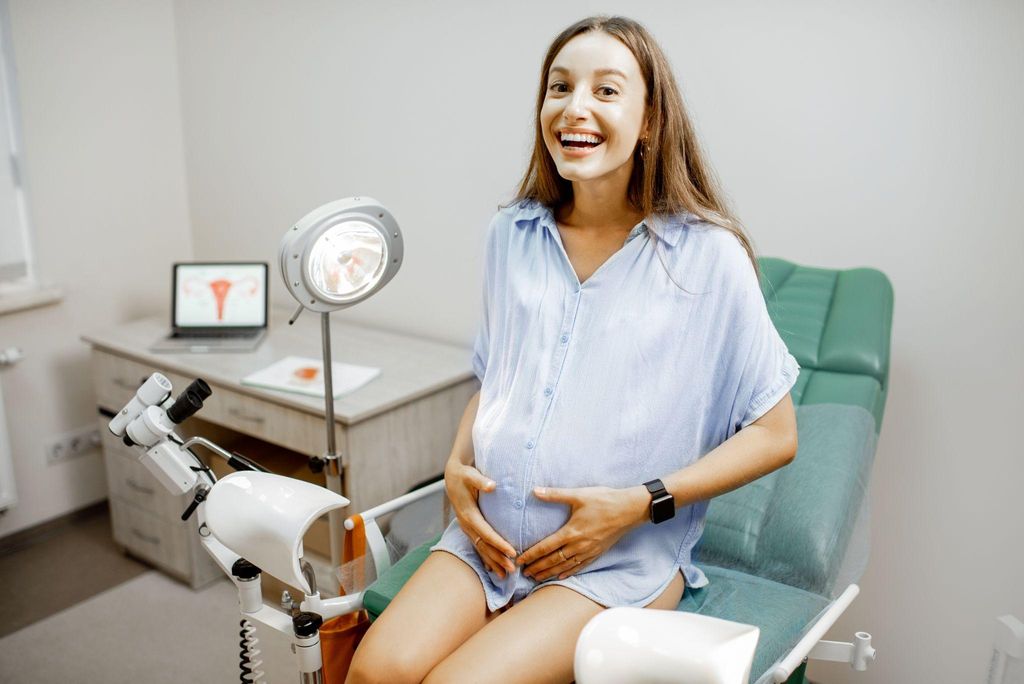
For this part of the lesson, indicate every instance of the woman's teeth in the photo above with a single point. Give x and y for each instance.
(580, 140)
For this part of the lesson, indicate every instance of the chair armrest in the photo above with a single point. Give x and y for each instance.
(395, 504)
(784, 669)
(374, 538)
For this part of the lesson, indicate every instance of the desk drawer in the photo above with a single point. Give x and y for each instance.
(302, 432)
(147, 536)
(129, 480)
(116, 379)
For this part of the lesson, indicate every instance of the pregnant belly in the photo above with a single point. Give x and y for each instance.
(511, 509)
(521, 520)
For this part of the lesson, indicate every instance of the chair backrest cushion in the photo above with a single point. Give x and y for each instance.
(793, 525)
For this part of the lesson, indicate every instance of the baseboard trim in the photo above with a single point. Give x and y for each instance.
(31, 536)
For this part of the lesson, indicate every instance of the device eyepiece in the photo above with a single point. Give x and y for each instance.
(183, 407)
(200, 388)
(189, 401)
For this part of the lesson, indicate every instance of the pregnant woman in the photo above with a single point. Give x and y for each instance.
(629, 373)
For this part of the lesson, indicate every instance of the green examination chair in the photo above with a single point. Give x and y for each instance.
(784, 552)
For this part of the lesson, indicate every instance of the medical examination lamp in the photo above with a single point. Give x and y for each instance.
(335, 257)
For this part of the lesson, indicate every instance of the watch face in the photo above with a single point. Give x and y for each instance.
(662, 508)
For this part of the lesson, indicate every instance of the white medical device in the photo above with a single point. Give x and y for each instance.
(253, 521)
(250, 521)
(635, 644)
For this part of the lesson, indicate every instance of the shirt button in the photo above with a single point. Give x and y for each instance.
(565, 338)
(518, 504)
(529, 445)
(547, 391)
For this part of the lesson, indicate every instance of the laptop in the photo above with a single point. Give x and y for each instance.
(217, 307)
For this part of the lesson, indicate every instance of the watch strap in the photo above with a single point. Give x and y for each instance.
(663, 504)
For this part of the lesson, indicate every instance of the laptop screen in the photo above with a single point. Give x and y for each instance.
(227, 295)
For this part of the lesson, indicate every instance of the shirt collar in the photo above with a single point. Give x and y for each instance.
(668, 228)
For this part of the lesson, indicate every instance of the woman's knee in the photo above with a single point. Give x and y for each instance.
(398, 647)
(386, 654)
(371, 666)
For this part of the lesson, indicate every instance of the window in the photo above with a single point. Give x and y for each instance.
(16, 267)
(19, 286)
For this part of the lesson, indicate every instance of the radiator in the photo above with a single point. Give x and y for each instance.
(8, 491)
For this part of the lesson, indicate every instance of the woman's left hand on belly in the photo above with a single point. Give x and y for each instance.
(600, 516)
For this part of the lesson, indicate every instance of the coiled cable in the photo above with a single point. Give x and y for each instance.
(249, 656)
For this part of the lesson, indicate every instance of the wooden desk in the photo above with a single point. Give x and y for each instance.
(392, 433)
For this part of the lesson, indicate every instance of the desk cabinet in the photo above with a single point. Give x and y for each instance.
(146, 518)
(396, 435)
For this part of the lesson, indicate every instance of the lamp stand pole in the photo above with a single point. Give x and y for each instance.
(332, 467)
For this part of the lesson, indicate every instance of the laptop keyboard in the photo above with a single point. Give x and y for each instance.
(218, 335)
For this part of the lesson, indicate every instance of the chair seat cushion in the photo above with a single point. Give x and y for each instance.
(379, 594)
(781, 612)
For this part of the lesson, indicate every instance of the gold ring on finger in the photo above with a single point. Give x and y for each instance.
(562, 554)
(578, 561)
(477, 540)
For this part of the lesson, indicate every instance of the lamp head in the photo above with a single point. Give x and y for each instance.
(341, 253)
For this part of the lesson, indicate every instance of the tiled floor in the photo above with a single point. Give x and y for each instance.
(59, 567)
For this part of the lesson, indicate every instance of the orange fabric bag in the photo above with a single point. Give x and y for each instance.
(340, 636)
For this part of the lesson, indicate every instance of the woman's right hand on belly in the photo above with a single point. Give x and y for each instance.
(463, 484)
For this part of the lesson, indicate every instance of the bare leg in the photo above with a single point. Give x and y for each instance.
(670, 598)
(440, 606)
(534, 641)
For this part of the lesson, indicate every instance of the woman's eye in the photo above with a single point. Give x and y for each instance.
(556, 86)
(608, 92)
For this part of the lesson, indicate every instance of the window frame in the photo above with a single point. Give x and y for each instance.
(20, 287)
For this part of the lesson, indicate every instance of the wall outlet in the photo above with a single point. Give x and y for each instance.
(72, 445)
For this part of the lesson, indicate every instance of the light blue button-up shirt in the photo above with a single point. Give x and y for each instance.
(661, 355)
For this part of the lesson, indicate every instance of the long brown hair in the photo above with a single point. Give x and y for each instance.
(671, 174)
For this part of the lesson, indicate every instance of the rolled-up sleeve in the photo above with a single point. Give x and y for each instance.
(771, 372)
(481, 344)
(767, 371)
(480, 348)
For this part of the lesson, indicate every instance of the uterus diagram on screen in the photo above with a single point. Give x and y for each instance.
(221, 299)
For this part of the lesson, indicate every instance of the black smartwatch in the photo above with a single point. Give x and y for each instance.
(663, 504)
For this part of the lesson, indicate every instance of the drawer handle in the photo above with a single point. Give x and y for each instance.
(140, 488)
(253, 419)
(146, 537)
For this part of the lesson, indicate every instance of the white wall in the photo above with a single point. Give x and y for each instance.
(106, 187)
(848, 134)
(291, 105)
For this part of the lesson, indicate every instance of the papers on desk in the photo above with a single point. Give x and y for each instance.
(306, 376)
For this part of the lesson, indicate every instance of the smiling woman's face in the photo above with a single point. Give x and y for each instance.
(594, 90)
